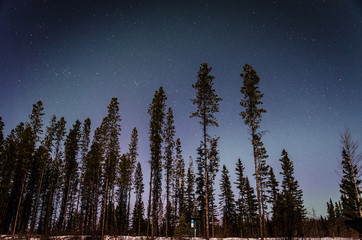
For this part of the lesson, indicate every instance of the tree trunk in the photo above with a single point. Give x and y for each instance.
(354, 181)
(32, 225)
(258, 191)
(149, 205)
(19, 203)
(104, 209)
(206, 186)
(65, 206)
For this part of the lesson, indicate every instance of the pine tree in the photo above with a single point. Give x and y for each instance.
(91, 185)
(169, 134)
(110, 132)
(200, 188)
(241, 201)
(189, 192)
(349, 187)
(290, 210)
(70, 173)
(138, 207)
(179, 182)
(183, 229)
(84, 145)
(157, 114)
(251, 218)
(123, 187)
(227, 203)
(207, 103)
(132, 149)
(213, 168)
(273, 190)
(252, 116)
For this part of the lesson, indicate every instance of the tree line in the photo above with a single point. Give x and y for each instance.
(62, 182)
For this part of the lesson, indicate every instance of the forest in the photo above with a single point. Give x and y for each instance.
(55, 181)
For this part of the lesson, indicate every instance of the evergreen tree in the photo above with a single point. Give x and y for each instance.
(349, 186)
(36, 121)
(252, 116)
(207, 103)
(183, 229)
(123, 187)
(91, 185)
(190, 195)
(169, 134)
(110, 132)
(25, 155)
(157, 114)
(132, 149)
(70, 172)
(213, 168)
(200, 188)
(53, 176)
(289, 210)
(242, 196)
(138, 207)
(273, 190)
(84, 145)
(179, 182)
(251, 218)
(227, 203)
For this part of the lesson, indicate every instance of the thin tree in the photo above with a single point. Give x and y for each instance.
(110, 129)
(207, 104)
(132, 149)
(227, 203)
(289, 210)
(157, 114)
(241, 201)
(350, 168)
(26, 149)
(252, 115)
(169, 133)
(138, 207)
(70, 171)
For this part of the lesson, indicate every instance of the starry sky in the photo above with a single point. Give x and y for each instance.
(75, 56)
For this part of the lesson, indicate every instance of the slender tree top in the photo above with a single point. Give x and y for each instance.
(251, 99)
(206, 100)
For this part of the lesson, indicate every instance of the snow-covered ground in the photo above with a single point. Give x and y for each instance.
(68, 237)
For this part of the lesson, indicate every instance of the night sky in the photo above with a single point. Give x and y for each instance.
(75, 56)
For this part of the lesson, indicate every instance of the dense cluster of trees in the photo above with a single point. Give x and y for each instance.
(59, 181)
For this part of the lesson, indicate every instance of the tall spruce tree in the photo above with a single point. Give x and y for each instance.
(242, 197)
(91, 186)
(227, 203)
(132, 150)
(179, 182)
(207, 104)
(70, 173)
(157, 114)
(189, 192)
(251, 218)
(252, 115)
(289, 210)
(110, 132)
(213, 168)
(169, 134)
(25, 155)
(84, 145)
(139, 206)
(350, 172)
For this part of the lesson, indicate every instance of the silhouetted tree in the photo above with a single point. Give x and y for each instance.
(252, 116)
(157, 114)
(227, 204)
(207, 103)
(350, 182)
